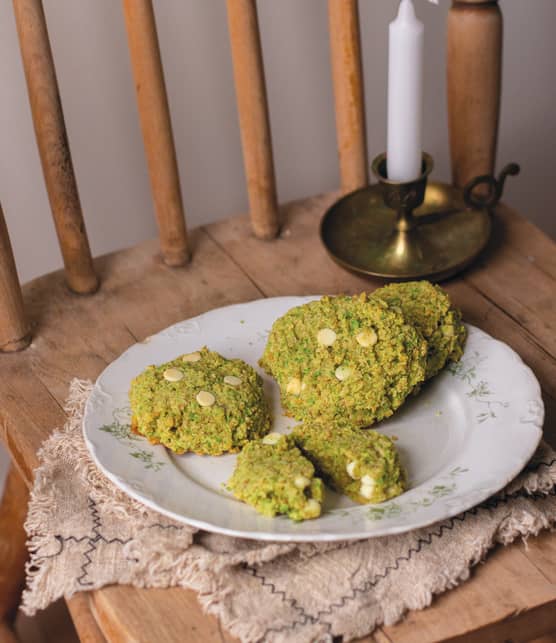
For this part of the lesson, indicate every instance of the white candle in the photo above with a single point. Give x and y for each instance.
(405, 95)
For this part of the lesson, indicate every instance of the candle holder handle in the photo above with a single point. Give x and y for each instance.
(490, 197)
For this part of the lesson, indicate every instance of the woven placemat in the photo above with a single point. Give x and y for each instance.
(85, 533)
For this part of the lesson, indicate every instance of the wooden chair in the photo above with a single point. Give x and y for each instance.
(81, 318)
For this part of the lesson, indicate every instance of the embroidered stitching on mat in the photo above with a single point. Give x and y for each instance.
(97, 525)
(492, 503)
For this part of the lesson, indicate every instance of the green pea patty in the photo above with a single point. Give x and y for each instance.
(200, 402)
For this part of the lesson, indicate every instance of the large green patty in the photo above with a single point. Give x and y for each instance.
(169, 412)
(361, 463)
(429, 309)
(345, 382)
(276, 478)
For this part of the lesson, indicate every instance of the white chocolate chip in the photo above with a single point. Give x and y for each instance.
(342, 373)
(368, 481)
(312, 508)
(350, 468)
(366, 338)
(173, 375)
(301, 482)
(366, 491)
(294, 386)
(232, 380)
(191, 357)
(271, 438)
(367, 487)
(204, 398)
(326, 337)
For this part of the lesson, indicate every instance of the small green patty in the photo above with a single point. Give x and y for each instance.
(361, 463)
(351, 360)
(272, 476)
(429, 309)
(200, 402)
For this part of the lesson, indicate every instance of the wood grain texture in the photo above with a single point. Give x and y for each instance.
(14, 328)
(541, 552)
(50, 130)
(515, 591)
(297, 264)
(474, 69)
(13, 553)
(84, 619)
(489, 608)
(169, 615)
(156, 127)
(347, 76)
(254, 122)
(524, 237)
(518, 256)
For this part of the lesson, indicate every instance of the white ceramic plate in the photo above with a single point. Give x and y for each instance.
(468, 433)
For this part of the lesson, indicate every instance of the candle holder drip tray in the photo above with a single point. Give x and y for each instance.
(412, 230)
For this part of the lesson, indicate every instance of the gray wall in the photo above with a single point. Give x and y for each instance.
(90, 51)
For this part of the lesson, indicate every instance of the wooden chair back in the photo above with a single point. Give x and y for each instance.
(473, 67)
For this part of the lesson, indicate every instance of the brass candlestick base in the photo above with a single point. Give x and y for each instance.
(411, 230)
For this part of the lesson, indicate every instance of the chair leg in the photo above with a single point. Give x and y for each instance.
(13, 553)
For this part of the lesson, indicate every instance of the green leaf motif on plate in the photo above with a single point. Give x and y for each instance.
(393, 509)
(120, 429)
(388, 510)
(466, 371)
(147, 459)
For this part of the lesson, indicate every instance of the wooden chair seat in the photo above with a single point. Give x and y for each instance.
(76, 336)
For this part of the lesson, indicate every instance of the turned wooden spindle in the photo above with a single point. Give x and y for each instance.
(14, 329)
(154, 115)
(474, 68)
(13, 552)
(50, 130)
(253, 117)
(347, 76)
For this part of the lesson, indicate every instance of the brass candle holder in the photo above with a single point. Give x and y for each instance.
(412, 230)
